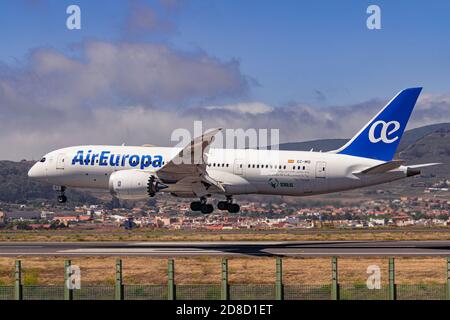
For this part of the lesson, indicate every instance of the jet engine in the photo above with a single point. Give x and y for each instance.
(134, 184)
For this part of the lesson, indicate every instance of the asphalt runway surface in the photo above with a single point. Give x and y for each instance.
(236, 248)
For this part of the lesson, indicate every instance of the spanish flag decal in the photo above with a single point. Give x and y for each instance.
(290, 161)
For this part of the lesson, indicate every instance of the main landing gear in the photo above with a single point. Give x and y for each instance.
(228, 205)
(62, 197)
(207, 208)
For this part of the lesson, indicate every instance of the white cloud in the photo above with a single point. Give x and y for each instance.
(244, 107)
(127, 92)
(137, 125)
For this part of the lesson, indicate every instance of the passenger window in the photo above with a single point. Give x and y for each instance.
(253, 166)
(303, 167)
(284, 167)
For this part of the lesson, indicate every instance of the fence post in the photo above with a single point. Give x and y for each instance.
(448, 278)
(225, 289)
(279, 292)
(119, 284)
(18, 281)
(334, 278)
(392, 285)
(171, 280)
(68, 290)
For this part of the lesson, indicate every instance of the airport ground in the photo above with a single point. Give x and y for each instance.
(147, 234)
(48, 269)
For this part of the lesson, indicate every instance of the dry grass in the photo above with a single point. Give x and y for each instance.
(74, 235)
(148, 270)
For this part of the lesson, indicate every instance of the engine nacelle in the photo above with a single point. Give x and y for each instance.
(134, 184)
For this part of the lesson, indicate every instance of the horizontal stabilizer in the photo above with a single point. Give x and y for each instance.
(384, 167)
(415, 166)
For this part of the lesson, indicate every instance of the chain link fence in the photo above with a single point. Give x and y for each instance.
(307, 292)
(94, 293)
(226, 290)
(252, 292)
(197, 292)
(237, 292)
(6, 292)
(361, 292)
(421, 291)
(145, 292)
(43, 292)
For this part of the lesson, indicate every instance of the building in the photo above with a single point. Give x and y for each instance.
(23, 216)
(65, 219)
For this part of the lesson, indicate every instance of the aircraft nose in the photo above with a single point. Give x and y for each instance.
(35, 172)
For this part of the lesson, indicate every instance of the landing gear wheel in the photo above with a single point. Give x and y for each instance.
(222, 205)
(196, 206)
(60, 189)
(207, 208)
(233, 208)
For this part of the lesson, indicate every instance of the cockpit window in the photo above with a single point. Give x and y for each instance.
(42, 160)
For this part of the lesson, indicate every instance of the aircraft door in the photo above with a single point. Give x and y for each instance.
(238, 166)
(60, 161)
(321, 169)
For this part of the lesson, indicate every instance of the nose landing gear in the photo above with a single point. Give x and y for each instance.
(62, 197)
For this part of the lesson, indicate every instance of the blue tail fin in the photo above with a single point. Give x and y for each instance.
(380, 137)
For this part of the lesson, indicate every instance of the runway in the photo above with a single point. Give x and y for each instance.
(238, 248)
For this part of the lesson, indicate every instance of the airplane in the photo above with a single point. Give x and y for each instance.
(200, 172)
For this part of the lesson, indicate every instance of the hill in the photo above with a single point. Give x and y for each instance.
(15, 187)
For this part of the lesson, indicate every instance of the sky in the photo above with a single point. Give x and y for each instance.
(137, 70)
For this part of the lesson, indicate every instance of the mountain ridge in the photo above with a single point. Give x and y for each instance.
(331, 144)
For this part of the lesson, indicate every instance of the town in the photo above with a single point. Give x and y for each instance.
(170, 213)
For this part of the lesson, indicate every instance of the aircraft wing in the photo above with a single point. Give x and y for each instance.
(190, 163)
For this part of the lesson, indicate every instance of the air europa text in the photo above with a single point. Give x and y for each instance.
(106, 158)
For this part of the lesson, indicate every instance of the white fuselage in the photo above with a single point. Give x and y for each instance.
(240, 171)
